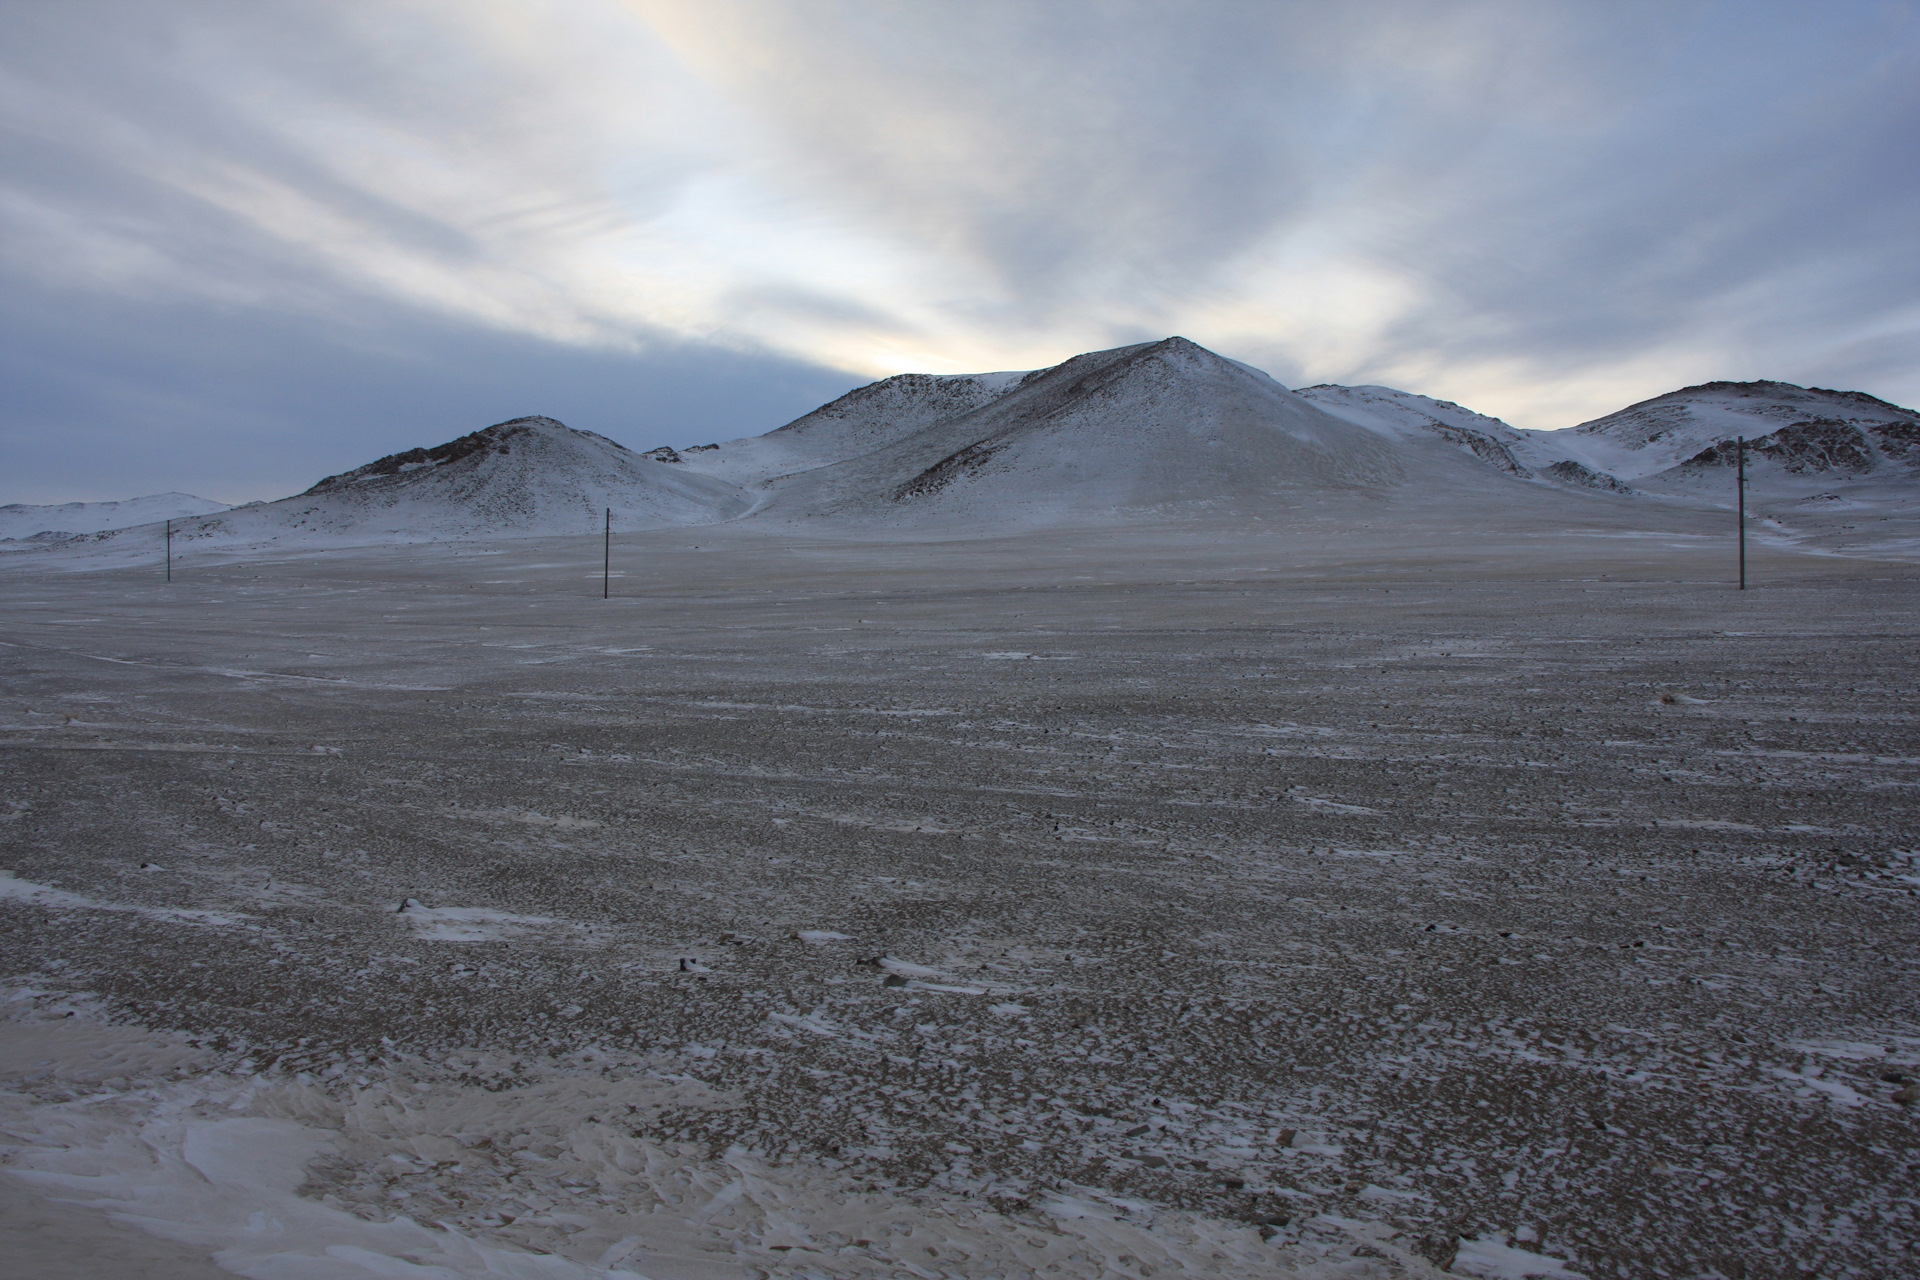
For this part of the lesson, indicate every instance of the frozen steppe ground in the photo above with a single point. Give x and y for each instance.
(1078, 904)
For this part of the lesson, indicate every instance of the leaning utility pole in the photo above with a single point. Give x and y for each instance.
(606, 559)
(1740, 483)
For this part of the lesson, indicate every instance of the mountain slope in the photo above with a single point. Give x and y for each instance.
(1148, 429)
(1527, 455)
(47, 523)
(1404, 415)
(859, 422)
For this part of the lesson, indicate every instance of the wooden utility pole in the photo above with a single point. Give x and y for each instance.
(606, 559)
(1740, 483)
(169, 551)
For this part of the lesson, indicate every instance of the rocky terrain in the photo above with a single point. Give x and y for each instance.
(1379, 895)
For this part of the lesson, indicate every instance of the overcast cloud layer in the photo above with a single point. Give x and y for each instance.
(244, 244)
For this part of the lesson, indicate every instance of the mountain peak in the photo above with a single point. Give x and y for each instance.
(1176, 347)
(497, 438)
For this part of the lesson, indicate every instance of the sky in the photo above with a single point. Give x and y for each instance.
(248, 243)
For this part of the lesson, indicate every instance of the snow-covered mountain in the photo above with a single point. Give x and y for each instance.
(52, 522)
(527, 477)
(1153, 429)
(1804, 436)
(1162, 427)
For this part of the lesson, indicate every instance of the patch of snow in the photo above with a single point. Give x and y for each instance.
(903, 969)
(467, 924)
(1850, 1050)
(1493, 1258)
(217, 1160)
(819, 1026)
(40, 895)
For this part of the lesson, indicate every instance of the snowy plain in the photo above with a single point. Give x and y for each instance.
(1383, 888)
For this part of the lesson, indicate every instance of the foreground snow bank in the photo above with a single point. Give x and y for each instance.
(487, 1166)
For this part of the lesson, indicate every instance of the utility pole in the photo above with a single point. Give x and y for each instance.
(169, 551)
(606, 559)
(1740, 483)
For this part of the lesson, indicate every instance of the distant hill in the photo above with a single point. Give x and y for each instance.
(21, 520)
(1815, 436)
(1803, 443)
(527, 477)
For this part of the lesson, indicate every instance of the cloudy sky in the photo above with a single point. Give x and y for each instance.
(247, 243)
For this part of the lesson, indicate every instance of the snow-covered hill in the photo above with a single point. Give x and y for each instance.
(1797, 438)
(20, 520)
(1155, 429)
(527, 477)
(1162, 428)
(1802, 430)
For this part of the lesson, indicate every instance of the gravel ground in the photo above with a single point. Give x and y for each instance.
(1324, 890)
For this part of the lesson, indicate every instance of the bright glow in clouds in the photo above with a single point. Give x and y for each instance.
(1541, 210)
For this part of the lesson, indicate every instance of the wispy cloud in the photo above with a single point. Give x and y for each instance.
(1542, 210)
